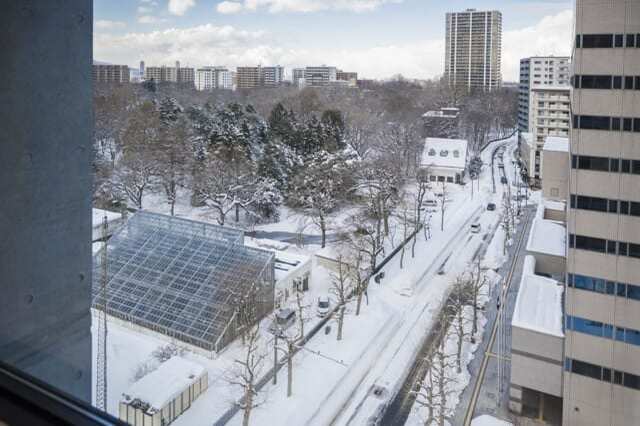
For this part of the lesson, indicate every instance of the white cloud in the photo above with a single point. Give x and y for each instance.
(143, 10)
(552, 35)
(302, 6)
(179, 7)
(149, 19)
(105, 24)
(226, 45)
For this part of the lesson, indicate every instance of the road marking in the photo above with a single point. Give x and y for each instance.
(487, 354)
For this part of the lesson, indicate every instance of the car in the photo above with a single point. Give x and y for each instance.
(476, 228)
(284, 318)
(324, 303)
(491, 207)
(504, 180)
(430, 203)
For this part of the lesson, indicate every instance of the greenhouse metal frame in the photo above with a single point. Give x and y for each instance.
(188, 280)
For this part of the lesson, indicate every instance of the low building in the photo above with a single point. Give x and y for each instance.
(444, 160)
(442, 123)
(555, 168)
(527, 155)
(114, 222)
(547, 243)
(161, 396)
(537, 341)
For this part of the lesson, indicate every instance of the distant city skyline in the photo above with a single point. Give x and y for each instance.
(376, 38)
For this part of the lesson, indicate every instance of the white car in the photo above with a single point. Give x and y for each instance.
(324, 304)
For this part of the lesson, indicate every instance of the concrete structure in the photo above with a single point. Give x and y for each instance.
(442, 123)
(351, 77)
(318, 76)
(550, 115)
(213, 77)
(254, 77)
(444, 160)
(539, 71)
(272, 76)
(537, 339)
(547, 243)
(114, 222)
(45, 184)
(526, 150)
(602, 349)
(473, 49)
(555, 168)
(297, 76)
(175, 74)
(158, 398)
(109, 73)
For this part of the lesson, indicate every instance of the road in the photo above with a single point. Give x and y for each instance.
(292, 237)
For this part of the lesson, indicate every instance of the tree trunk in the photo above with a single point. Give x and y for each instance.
(289, 369)
(413, 244)
(237, 213)
(275, 359)
(340, 322)
(460, 341)
(402, 256)
(173, 206)
(323, 230)
(359, 301)
(248, 396)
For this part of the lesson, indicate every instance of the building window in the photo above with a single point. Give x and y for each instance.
(631, 40)
(592, 41)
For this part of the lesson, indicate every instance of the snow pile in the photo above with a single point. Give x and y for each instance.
(164, 384)
(539, 303)
(438, 147)
(546, 236)
(556, 143)
(487, 420)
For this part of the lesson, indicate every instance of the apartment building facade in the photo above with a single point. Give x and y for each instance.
(473, 49)
(317, 76)
(109, 73)
(542, 71)
(550, 115)
(601, 383)
(165, 74)
(213, 77)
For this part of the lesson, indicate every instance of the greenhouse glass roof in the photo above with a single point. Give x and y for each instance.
(181, 278)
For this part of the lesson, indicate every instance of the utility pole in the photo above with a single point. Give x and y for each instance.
(101, 326)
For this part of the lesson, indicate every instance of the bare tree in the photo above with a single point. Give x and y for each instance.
(456, 304)
(443, 204)
(507, 213)
(476, 284)
(340, 288)
(302, 308)
(358, 275)
(247, 373)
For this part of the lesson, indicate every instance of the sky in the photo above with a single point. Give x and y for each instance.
(376, 38)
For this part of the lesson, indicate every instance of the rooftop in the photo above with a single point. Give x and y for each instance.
(546, 236)
(162, 385)
(442, 153)
(539, 303)
(99, 214)
(556, 143)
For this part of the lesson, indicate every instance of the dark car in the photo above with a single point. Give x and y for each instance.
(504, 180)
(491, 207)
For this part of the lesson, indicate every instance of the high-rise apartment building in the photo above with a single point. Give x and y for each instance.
(320, 76)
(542, 71)
(209, 78)
(473, 49)
(109, 73)
(272, 76)
(297, 76)
(248, 77)
(164, 74)
(601, 383)
(346, 76)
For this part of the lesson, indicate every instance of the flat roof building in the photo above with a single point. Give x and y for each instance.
(444, 160)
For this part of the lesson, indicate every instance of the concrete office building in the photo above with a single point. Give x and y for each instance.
(45, 185)
(539, 71)
(550, 115)
(602, 307)
(110, 73)
(473, 49)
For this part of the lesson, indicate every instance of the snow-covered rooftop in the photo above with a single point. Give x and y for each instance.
(162, 385)
(554, 205)
(487, 420)
(527, 137)
(448, 153)
(286, 262)
(556, 143)
(555, 88)
(99, 214)
(546, 236)
(539, 302)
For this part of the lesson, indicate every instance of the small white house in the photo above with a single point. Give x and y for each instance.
(292, 271)
(162, 395)
(445, 160)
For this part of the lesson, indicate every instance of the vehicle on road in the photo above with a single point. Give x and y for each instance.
(430, 203)
(476, 228)
(284, 318)
(504, 180)
(324, 303)
(491, 207)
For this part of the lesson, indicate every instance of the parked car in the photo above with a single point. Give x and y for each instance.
(430, 203)
(476, 228)
(324, 303)
(491, 207)
(504, 180)
(284, 318)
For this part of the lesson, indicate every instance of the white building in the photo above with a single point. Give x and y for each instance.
(444, 160)
(213, 77)
(114, 222)
(542, 71)
(161, 396)
(319, 76)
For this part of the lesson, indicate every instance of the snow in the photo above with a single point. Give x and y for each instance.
(546, 236)
(161, 386)
(539, 303)
(554, 205)
(556, 143)
(99, 214)
(442, 145)
(487, 420)
(288, 264)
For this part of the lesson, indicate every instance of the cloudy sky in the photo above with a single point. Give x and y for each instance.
(376, 38)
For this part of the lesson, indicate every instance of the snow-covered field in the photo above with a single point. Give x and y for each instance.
(332, 379)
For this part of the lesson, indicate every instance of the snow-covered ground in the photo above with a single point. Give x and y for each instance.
(332, 379)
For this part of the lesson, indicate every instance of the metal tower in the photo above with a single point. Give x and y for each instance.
(101, 326)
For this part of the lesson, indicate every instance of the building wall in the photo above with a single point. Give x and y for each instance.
(603, 401)
(555, 169)
(473, 46)
(45, 181)
(536, 361)
(107, 73)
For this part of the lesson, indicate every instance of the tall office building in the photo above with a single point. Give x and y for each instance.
(473, 49)
(601, 383)
(538, 71)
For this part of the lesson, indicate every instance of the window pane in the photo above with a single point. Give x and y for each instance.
(617, 82)
(621, 290)
(595, 122)
(586, 369)
(618, 40)
(620, 334)
(626, 124)
(635, 209)
(628, 82)
(631, 381)
(632, 336)
(624, 207)
(631, 40)
(634, 250)
(633, 292)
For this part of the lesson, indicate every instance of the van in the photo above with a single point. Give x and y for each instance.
(476, 228)
(324, 303)
(284, 318)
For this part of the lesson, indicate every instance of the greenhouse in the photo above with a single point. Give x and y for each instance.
(192, 281)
